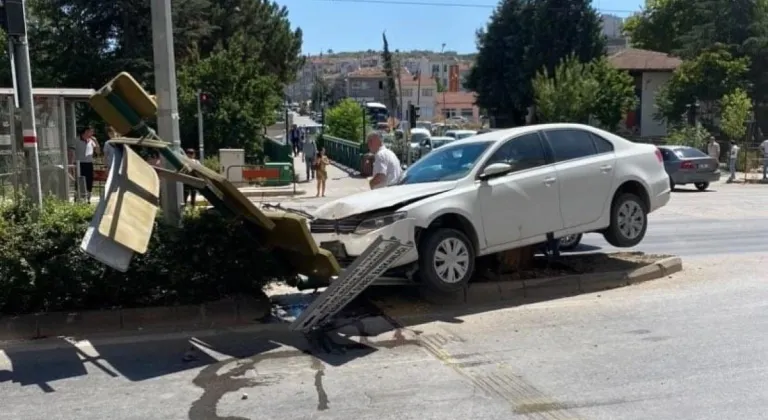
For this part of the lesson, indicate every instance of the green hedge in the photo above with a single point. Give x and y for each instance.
(43, 269)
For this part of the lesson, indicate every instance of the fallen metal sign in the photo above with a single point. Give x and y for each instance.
(368, 267)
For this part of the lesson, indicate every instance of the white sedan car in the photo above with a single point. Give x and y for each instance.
(499, 191)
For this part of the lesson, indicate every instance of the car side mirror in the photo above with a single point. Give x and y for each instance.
(495, 170)
(404, 166)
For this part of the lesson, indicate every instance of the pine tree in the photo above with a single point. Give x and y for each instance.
(389, 70)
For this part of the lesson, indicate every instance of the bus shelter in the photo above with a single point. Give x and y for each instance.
(56, 123)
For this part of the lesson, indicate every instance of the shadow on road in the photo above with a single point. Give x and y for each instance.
(43, 363)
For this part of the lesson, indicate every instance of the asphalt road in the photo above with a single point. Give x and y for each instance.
(729, 219)
(693, 346)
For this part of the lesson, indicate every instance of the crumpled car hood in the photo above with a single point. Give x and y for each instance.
(379, 199)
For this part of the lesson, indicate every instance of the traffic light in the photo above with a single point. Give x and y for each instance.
(12, 17)
(206, 100)
(413, 115)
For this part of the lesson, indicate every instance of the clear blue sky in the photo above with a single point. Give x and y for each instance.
(352, 25)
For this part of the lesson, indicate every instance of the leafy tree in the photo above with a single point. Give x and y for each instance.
(565, 94)
(577, 91)
(522, 37)
(703, 80)
(440, 87)
(243, 99)
(689, 29)
(389, 70)
(661, 24)
(615, 95)
(345, 120)
(736, 110)
(694, 136)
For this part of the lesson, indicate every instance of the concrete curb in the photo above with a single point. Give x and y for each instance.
(215, 315)
(554, 287)
(282, 192)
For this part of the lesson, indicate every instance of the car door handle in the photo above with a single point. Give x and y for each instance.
(606, 168)
(549, 181)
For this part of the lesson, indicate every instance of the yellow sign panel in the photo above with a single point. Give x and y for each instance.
(132, 205)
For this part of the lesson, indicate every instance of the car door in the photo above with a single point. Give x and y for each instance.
(525, 202)
(585, 165)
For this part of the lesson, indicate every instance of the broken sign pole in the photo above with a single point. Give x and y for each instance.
(366, 268)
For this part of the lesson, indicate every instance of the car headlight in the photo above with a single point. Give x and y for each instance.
(374, 223)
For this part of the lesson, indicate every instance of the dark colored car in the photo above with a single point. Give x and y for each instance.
(687, 165)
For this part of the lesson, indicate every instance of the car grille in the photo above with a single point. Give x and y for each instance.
(342, 226)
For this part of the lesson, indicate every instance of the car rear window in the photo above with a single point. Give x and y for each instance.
(689, 152)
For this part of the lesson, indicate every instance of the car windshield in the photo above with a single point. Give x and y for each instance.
(689, 152)
(419, 137)
(465, 135)
(439, 143)
(447, 164)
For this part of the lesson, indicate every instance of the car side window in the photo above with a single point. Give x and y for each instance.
(524, 152)
(571, 144)
(602, 145)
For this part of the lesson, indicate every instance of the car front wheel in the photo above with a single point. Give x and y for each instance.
(629, 221)
(446, 260)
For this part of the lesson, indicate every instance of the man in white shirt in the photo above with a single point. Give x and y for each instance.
(386, 165)
(764, 149)
(733, 157)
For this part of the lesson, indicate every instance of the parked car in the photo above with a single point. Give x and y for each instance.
(500, 191)
(432, 143)
(460, 134)
(687, 165)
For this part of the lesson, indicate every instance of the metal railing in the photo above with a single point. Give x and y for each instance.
(345, 152)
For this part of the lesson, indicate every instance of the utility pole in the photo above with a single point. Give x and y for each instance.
(167, 106)
(200, 136)
(14, 20)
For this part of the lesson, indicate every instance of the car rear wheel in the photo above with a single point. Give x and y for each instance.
(446, 260)
(570, 242)
(701, 186)
(629, 221)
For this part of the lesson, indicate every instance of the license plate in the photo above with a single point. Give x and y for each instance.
(703, 166)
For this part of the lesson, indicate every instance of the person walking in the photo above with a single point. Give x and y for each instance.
(86, 147)
(190, 193)
(386, 165)
(295, 137)
(713, 149)
(321, 171)
(310, 153)
(733, 157)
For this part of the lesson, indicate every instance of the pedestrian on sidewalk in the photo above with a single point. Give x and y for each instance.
(713, 149)
(386, 165)
(86, 147)
(295, 138)
(190, 192)
(321, 170)
(733, 157)
(310, 153)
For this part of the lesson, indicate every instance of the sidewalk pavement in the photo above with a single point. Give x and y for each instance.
(339, 184)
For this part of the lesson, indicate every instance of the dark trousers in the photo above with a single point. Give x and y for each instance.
(86, 171)
(296, 148)
(190, 192)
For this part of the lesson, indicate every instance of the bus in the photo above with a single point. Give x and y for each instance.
(377, 112)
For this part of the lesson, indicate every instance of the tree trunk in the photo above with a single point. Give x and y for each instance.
(516, 259)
